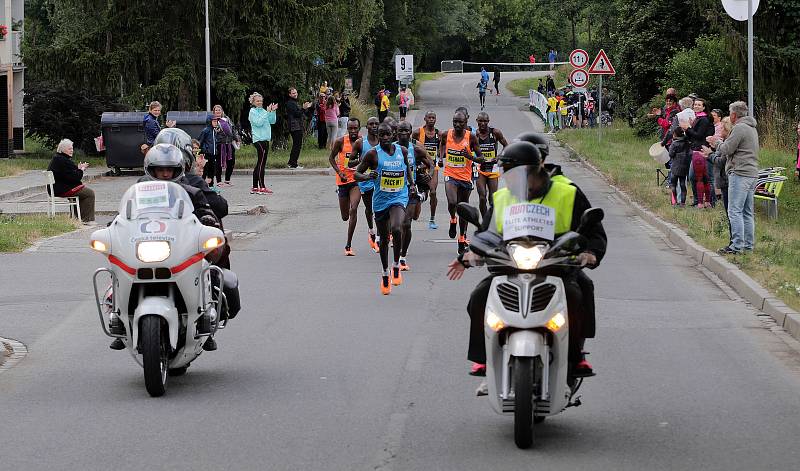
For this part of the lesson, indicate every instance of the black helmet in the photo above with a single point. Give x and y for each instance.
(163, 155)
(537, 139)
(180, 139)
(520, 153)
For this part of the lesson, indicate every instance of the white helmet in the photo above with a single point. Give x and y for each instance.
(180, 139)
(164, 156)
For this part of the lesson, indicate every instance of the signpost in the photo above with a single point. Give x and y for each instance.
(579, 58)
(601, 66)
(578, 78)
(404, 66)
(743, 10)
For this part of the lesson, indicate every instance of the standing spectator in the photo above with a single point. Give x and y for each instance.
(540, 88)
(296, 115)
(797, 167)
(403, 102)
(718, 166)
(702, 179)
(696, 133)
(563, 110)
(551, 85)
(208, 146)
(683, 104)
(323, 89)
(716, 118)
(151, 125)
(496, 79)
(344, 113)
(385, 105)
(532, 59)
(668, 113)
(591, 112)
(331, 120)
(322, 130)
(552, 116)
(680, 158)
(551, 57)
(379, 100)
(261, 121)
(68, 177)
(741, 150)
(225, 149)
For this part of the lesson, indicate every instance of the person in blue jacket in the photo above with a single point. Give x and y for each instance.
(151, 125)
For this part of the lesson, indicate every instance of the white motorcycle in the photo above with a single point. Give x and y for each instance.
(164, 299)
(526, 328)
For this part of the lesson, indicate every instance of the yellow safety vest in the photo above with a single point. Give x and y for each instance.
(560, 197)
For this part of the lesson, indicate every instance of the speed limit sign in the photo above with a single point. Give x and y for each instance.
(579, 58)
(579, 78)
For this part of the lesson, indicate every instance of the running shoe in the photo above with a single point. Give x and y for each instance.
(386, 287)
(255, 191)
(348, 252)
(462, 244)
(453, 224)
(404, 266)
(432, 225)
(478, 369)
(397, 277)
(373, 243)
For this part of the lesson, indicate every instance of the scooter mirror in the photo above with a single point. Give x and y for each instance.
(469, 213)
(569, 242)
(589, 218)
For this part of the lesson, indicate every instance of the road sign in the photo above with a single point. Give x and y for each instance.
(578, 78)
(601, 65)
(737, 9)
(403, 66)
(579, 58)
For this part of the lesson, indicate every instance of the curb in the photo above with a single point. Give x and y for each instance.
(739, 281)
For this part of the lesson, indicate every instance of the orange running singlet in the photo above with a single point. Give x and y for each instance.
(456, 155)
(341, 161)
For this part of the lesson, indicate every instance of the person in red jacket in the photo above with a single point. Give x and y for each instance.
(668, 112)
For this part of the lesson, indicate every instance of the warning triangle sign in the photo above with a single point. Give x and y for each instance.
(601, 65)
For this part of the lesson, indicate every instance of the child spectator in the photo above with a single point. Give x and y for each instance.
(208, 147)
(680, 157)
(199, 158)
(702, 180)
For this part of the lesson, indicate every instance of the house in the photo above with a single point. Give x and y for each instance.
(12, 76)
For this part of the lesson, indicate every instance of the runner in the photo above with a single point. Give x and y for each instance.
(417, 159)
(456, 146)
(428, 137)
(360, 148)
(488, 172)
(349, 193)
(394, 183)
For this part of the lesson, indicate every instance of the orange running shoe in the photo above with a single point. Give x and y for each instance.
(386, 287)
(404, 266)
(348, 252)
(373, 243)
(397, 277)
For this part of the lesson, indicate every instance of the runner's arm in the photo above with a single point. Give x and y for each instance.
(355, 153)
(369, 162)
(337, 147)
(421, 155)
(409, 171)
(476, 149)
(498, 134)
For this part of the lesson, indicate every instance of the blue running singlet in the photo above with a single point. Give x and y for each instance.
(391, 187)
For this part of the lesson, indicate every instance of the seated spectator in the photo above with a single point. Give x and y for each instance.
(68, 177)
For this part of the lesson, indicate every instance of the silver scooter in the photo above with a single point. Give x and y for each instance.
(526, 328)
(167, 298)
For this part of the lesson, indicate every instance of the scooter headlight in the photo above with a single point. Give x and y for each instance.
(213, 243)
(526, 258)
(99, 246)
(556, 322)
(153, 251)
(494, 322)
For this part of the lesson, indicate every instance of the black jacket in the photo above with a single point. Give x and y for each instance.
(66, 173)
(295, 115)
(698, 133)
(680, 157)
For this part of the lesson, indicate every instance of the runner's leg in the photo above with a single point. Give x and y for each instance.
(411, 209)
(396, 216)
(463, 197)
(481, 185)
(355, 198)
(451, 191)
(383, 232)
(491, 184)
(434, 199)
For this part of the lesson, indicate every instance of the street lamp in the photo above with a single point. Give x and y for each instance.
(208, 64)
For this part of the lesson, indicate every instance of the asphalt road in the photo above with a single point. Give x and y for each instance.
(321, 372)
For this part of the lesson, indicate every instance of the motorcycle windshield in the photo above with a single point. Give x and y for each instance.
(520, 207)
(161, 199)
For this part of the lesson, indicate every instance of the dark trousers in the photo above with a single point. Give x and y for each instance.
(578, 313)
(262, 150)
(297, 144)
(86, 203)
(322, 134)
(213, 168)
(382, 115)
(231, 164)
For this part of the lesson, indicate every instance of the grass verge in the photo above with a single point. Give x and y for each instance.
(520, 87)
(624, 160)
(11, 167)
(18, 232)
(310, 156)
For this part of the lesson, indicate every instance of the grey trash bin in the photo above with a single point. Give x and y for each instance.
(193, 122)
(123, 134)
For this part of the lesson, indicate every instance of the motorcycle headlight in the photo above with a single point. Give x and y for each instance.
(526, 258)
(152, 251)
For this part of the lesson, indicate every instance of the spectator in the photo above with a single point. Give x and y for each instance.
(540, 88)
(225, 141)
(344, 112)
(668, 113)
(532, 59)
(683, 104)
(385, 105)
(716, 118)
(741, 151)
(68, 177)
(718, 166)
(296, 115)
(379, 100)
(322, 130)
(403, 102)
(591, 112)
(550, 85)
(261, 121)
(797, 167)
(209, 139)
(151, 125)
(331, 120)
(496, 79)
(551, 57)
(199, 158)
(696, 133)
(563, 110)
(323, 89)
(680, 157)
(702, 179)
(552, 116)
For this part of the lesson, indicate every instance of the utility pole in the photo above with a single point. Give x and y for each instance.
(208, 64)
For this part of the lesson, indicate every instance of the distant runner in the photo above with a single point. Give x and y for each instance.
(417, 159)
(428, 137)
(360, 148)
(488, 172)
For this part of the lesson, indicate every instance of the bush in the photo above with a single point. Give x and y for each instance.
(645, 127)
(55, 113)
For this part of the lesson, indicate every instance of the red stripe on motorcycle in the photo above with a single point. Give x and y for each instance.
(189, 262)
(121, 264)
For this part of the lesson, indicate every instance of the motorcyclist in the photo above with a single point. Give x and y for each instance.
(587, 286)
(572, 205)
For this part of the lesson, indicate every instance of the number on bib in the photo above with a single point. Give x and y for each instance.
(392, 181)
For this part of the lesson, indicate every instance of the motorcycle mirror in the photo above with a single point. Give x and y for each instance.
(484, 242)
(469, 213)
(570, 242)
(589, 218)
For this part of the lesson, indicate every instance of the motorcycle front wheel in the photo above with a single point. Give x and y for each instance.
(154, 348)
(522, 371)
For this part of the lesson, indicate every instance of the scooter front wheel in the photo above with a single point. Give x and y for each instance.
(154, 348)
(522, 378)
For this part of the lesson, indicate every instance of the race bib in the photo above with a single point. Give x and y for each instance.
(491, 161)
(152, 195)
(456, 160)
(392, 181)
(529, 220)
(432, 150)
